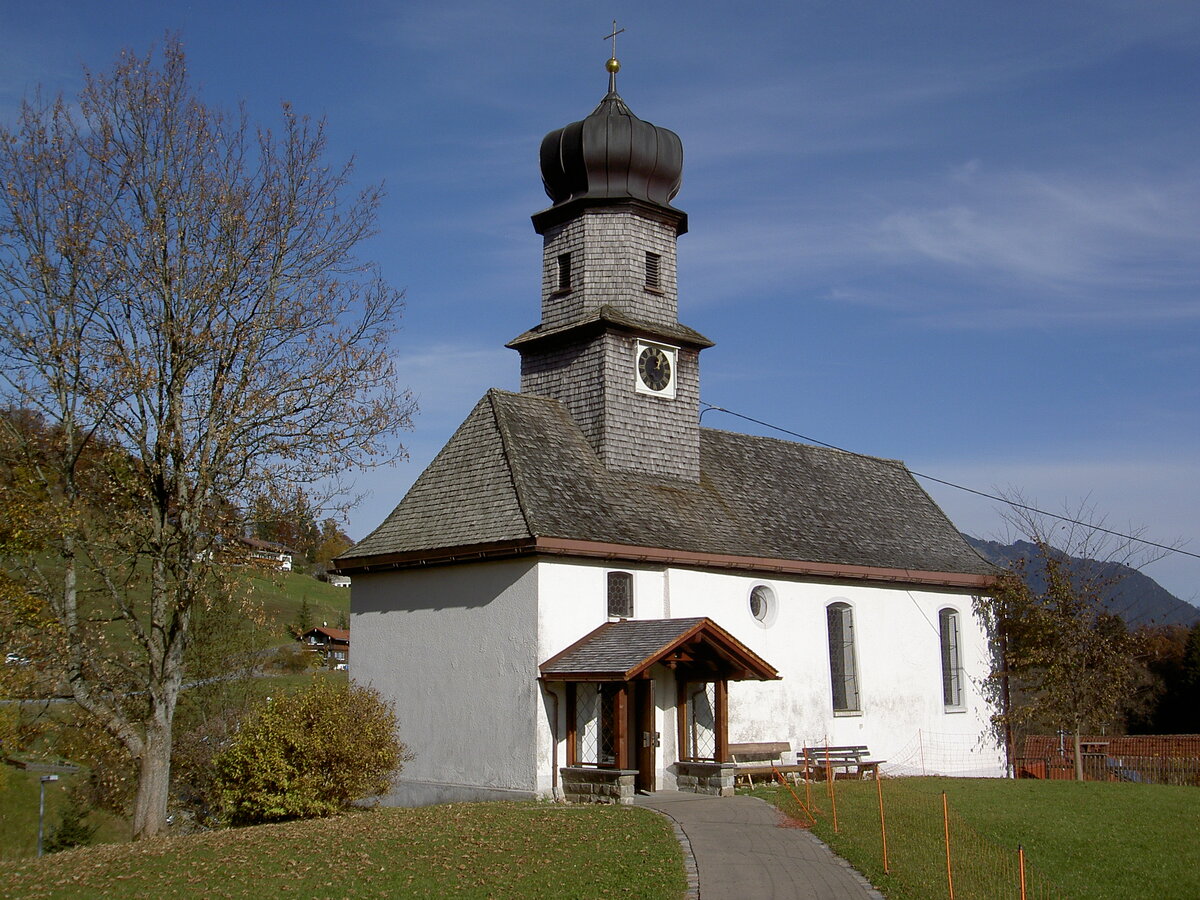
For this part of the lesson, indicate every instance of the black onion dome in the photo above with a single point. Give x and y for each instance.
(612, 155)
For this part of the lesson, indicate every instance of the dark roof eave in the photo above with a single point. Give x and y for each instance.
(605, 320)
(547, 546)
(559, 213)
(433, 556)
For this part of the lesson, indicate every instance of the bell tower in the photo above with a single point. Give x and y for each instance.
(610, 346)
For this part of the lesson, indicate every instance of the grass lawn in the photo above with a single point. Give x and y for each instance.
(281, 595)
(19, 813)
(1086, 840)
(459, 850)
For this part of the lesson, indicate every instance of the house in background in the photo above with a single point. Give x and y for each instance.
(332, 643)
(265, 554)
(585, 585)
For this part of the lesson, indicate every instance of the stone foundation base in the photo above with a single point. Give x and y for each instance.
(586, 785)
(705, 778)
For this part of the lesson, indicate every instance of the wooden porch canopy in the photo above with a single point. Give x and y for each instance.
(626, 649)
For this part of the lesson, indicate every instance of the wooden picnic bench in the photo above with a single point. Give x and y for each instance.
(763, 759)
(820, 763)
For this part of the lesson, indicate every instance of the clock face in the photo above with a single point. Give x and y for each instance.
(654, 369)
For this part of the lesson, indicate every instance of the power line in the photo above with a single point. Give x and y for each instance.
(960, 487)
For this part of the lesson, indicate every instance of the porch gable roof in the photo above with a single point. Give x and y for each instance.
(625, 649)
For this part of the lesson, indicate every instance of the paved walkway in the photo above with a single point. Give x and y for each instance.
(739, 849)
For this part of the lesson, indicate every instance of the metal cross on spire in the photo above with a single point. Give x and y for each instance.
(613, 66)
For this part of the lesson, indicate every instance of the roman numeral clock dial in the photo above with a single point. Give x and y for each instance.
(656, 370)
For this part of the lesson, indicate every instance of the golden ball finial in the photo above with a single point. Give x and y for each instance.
(613, 66)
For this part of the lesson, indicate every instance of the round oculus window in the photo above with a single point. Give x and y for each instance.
(762, 604)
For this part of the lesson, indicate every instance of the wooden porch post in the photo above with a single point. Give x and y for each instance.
(621, 714)
(682, 750)
(572, 735)
(721, 691)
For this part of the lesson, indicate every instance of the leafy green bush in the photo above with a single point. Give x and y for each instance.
(309, 754)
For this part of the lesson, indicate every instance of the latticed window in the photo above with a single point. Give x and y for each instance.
(596, 724)
(620, 595)
(564, 271)
(701, 730)
(952, 676)
(653, 270)
(843, 665)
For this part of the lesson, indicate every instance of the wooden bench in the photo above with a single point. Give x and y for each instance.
(845, 762)
(762, 759)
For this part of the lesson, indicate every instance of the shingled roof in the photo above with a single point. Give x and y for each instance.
(519, 476)
(619, 651)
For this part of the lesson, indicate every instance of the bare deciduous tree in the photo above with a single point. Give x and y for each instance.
(1061, 656)
(181, 305)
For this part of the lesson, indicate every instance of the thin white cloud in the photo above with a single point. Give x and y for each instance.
(1058, 231)
(994, 247)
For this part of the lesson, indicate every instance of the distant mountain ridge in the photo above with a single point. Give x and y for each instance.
(1137, 598)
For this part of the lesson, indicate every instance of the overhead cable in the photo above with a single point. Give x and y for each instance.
(960, 487)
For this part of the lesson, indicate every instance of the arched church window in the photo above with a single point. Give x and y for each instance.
(952, 673)
(843, 661)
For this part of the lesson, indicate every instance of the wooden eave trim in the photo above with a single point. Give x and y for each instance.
(726, 644)
(689, 559)
(354, 565)
(438, 556)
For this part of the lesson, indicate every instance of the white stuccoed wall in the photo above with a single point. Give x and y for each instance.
(903, 718)
(455, 647)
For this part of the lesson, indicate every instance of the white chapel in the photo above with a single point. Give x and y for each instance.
(586, 587)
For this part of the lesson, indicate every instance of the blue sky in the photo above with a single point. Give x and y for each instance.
(963, 234)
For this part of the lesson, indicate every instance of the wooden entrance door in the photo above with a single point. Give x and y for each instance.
(643, 736)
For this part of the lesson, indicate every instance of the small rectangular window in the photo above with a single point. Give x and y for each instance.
(653, 268)
(620, 595)
(564, 272)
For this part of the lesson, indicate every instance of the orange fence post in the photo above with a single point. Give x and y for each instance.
(1021, 867)
(946, 828)
(807, 780)
(882, 823)
(833, 805)
(782, 780)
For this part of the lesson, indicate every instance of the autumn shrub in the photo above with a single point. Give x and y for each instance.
(309, 754)
(73, 828)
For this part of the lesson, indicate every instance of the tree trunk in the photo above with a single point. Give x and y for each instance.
(154, 779)
(1078, 758)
